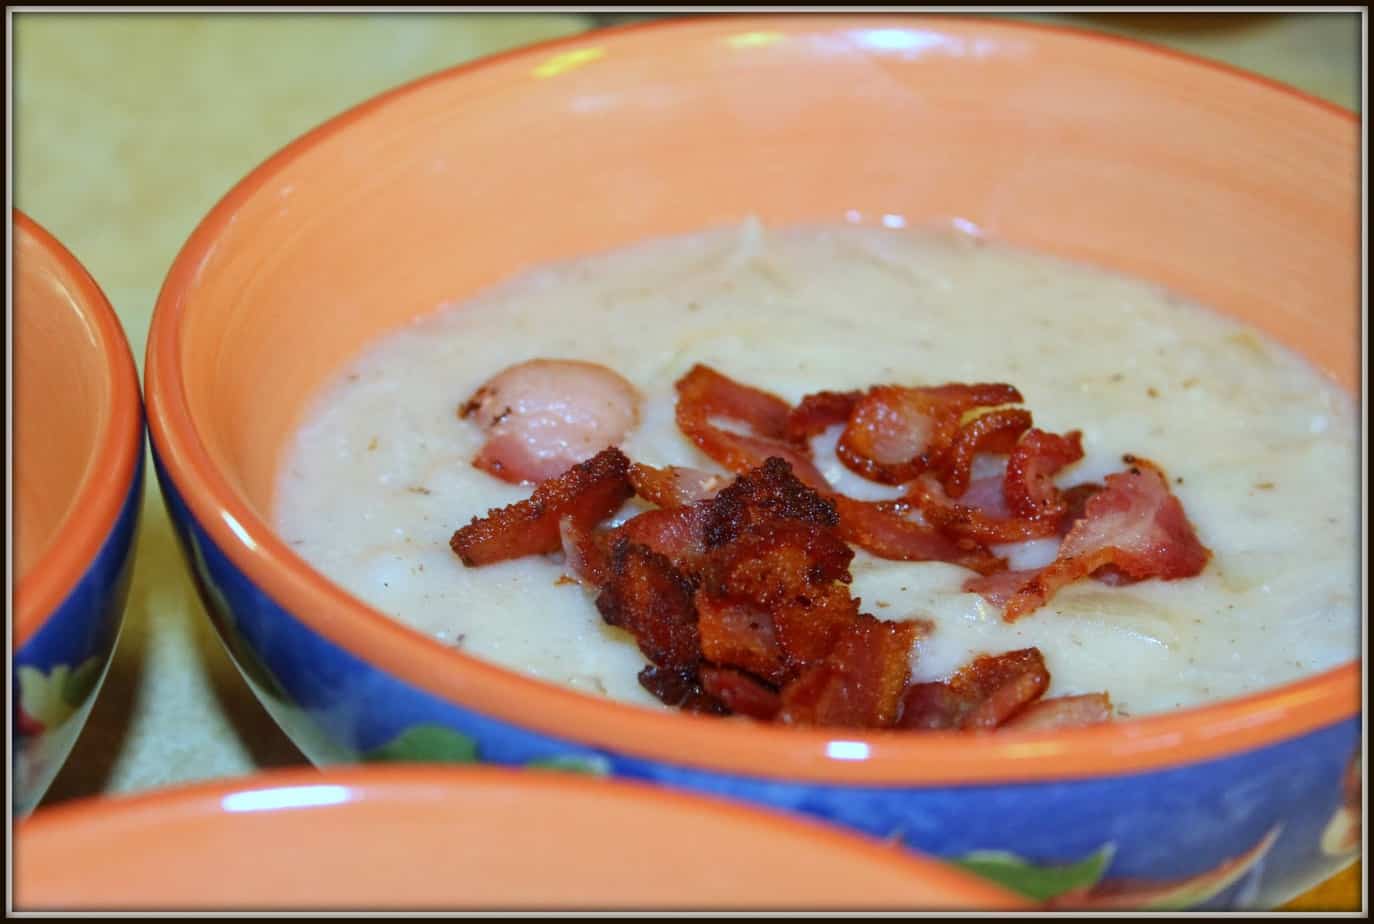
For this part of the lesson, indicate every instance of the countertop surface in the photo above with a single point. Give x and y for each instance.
(128, 127)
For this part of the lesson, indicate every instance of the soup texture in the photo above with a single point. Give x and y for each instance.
(1260, 449)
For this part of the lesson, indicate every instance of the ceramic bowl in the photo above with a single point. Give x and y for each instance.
(430, 838)
(1232, 191)
(78, 489)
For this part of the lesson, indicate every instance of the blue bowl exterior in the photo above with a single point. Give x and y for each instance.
(59, 670)
(1241, 831)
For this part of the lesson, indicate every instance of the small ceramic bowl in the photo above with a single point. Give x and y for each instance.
(78, 489)
(430, 838)
(1229, 190)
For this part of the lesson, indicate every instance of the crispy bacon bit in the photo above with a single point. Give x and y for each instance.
(1036, 458)
(645, 595)
(1062, 712)
(982, 695)
(681, 689)
(772, 492)
(587, 493)
(966, 521)
(545, 415)
(889, 534)
(741, 635)
(676, 532)
(1133, 524)
(993, 432)
(584, 552)
(819, 412)
(738, 594)
(895, 433)
(740, 693)
(674, 486)
(860, 684)
(704, 394)
(1076, 502)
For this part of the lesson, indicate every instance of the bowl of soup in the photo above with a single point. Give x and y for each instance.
(435, 838)
(78, 464)
(942, 428)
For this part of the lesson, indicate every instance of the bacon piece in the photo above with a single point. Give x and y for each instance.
(741, 693)
(1062, 712)
(982, 695)
(895, 433)
(888, 534)
(993, 432)
(585, 552)
(545, 415)
(676, 532)
(704, 394)
(819, 412)
(652, 600)
(860, 684)
(681, 689)
(1035, 459)
(1000, 587)
(674, 486)
(1134, 524)
(740, 635)
(969, 522)
(773, 491)
(1076, 502)
(587, 493)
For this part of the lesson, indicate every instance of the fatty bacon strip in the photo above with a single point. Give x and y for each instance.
(740, 601)
(927, 439)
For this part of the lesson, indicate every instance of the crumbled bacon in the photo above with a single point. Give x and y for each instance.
(680, 688)
(1062, 712)
(982, 695)
(896, 433)
(819, 412)
(674, 486)
(888, 533)
(740, 634)
(738, 594)
(587, 493)
(1035, 459)
(970, 522)
(1134, 524)
(993, 432)
(740, 693)
(647, 596)
(704, 395)
(779, 432)
(860, 684)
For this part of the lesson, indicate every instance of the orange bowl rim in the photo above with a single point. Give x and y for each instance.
(100, 497)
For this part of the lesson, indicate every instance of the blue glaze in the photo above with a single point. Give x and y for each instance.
(81, 631)
(1162, 825)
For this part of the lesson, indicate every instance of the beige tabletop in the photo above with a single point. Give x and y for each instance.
(128, 127)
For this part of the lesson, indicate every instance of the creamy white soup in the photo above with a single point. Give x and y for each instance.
(1260, 449)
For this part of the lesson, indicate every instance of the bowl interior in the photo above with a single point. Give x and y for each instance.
(433, 838)
(75, 406)
(1229, 191)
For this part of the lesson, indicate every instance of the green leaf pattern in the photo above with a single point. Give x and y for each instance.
(1039, 883)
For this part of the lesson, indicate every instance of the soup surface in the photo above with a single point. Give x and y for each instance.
(1260, 449)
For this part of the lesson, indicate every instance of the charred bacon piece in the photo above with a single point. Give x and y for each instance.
(586, 494)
